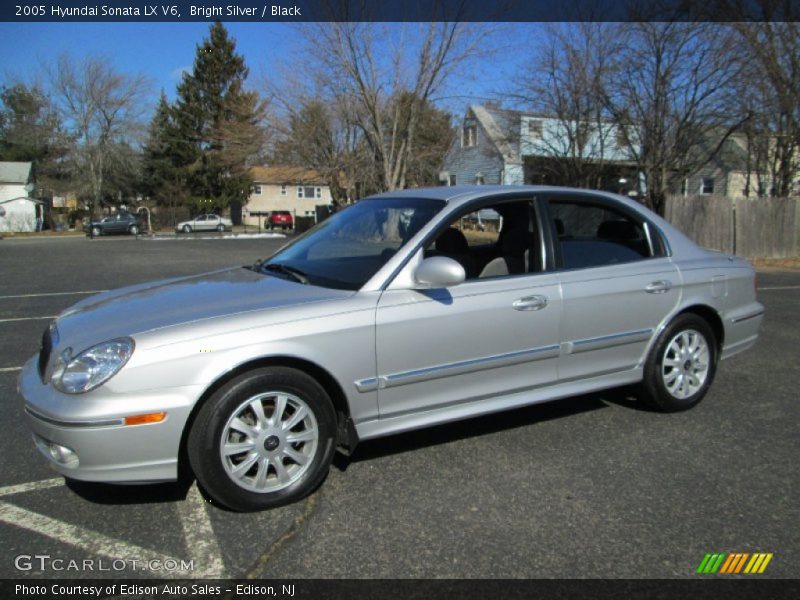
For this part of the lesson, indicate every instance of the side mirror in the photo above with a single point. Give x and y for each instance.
(439, 272)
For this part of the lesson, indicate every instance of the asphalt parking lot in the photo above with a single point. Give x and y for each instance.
(592, 486)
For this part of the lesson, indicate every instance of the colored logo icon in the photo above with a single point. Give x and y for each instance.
(731, 563)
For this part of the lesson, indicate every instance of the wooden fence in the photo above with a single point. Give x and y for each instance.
(750, 227)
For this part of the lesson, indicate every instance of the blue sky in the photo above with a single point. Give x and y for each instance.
(162, 50)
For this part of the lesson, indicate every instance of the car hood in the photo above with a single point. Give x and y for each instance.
(146, 307)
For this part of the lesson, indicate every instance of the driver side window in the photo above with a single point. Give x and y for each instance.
(496, 240)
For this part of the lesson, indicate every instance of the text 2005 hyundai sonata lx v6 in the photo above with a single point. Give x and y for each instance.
(402, 311)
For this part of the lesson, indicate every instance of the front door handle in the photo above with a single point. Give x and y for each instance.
(530, 303)
(658, 287)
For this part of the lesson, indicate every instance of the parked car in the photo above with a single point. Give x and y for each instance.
(279, 218)
(121, 222)
(207, 222)
(382, 319)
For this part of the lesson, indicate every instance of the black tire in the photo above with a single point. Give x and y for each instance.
(96, 232)
(134, 230)
(654, 390)
(221, 228)
(187, 229)
(211, 430)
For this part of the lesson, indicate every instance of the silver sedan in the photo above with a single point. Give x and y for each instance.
(209, 222)
(402, 311)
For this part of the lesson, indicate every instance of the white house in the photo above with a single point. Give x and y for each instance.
(18, 211)
(294, 189)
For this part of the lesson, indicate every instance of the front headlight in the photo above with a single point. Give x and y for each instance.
(90, 368)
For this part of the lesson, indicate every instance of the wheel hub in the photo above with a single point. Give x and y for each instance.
(271, 443)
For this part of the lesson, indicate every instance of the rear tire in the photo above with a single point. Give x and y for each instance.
(221, 228)
(134, 230)
(681, 365)
(264, 439)
(96, 232)
(187, 229)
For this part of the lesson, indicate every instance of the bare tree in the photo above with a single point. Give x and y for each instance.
(321, 136)
(770, 90)
(384, 90)
(672, 98)
(101, 109)
(566, 85)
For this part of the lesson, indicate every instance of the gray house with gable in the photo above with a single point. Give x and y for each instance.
(500, 146)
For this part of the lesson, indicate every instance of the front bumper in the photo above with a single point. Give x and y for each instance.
(91, 426)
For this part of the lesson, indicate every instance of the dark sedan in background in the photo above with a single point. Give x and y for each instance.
(118, 223)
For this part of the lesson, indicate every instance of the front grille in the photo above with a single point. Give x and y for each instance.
(44, 352)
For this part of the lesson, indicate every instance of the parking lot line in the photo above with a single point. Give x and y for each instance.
(201, 543)
(10, 369)
(25, 319)
(90, 541)
(52, 294)
(32, 486)
(779, 287)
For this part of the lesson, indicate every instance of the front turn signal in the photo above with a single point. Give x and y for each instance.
(143, 419)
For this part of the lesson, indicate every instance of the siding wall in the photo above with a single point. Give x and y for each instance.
(467, 163)
(270, 199)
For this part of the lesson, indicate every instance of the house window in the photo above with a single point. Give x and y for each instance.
(707, 186)
(283, 190)
(685, 186)
(257, 190)
(451, 180)
(318, 192)
(535, 128)
(469, 136)
(307, 192)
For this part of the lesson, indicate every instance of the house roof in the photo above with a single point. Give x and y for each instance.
(499, 133)
(283, 175)
(15, 172)
(33, 200)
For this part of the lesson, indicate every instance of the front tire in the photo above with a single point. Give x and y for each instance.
(221, 228)
(681, 365)
(96, 232)
(134, 230)
(187, 229)
(263, 440)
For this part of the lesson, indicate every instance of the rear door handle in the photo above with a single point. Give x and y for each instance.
(530, 303)
(658, 287)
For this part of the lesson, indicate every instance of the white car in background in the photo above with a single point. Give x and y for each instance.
(208, 222)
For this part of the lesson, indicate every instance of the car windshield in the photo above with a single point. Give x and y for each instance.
(347, 249)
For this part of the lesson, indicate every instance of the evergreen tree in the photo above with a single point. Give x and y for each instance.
(217, 122)
(164, 180)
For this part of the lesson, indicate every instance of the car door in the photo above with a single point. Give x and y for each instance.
(212, 222)
(116, 225)
(200, 223)
(617, 284)
(482, 339)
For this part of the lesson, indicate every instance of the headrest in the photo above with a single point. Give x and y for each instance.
(617, 230)
(452, 241)
(515, 242)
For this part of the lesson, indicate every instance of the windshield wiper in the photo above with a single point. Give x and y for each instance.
(295, 274)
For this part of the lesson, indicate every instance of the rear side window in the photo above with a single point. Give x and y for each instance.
(593, 235)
